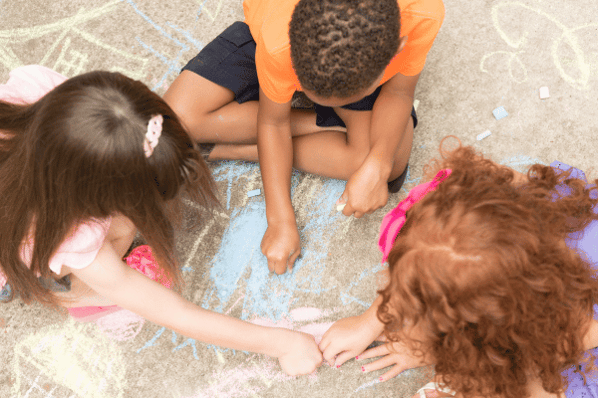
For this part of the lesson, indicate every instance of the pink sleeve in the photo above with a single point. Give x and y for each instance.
(82, 247)
(27, 84)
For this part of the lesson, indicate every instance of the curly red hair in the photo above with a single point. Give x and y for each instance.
(482, 263)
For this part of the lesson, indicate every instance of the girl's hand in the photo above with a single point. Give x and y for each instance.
(301, 356)
(394, 354)
(281, 246)
(348, 338)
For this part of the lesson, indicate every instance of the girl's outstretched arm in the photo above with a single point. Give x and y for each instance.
(110, 277)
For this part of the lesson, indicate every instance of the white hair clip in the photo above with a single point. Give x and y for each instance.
(152, 137)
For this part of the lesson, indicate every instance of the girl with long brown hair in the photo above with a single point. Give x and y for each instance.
(491, 280)
(85, 163)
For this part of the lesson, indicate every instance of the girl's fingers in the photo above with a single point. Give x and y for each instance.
(374, 352)
(395, 371)
(325, 342)
(329, 355)
(343, 357)
(378, 364)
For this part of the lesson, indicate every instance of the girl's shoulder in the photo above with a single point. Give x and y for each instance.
(27, 84)
(78, 250)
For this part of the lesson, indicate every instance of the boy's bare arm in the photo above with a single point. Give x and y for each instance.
(367, 188)
(390, 116)
(281, 244)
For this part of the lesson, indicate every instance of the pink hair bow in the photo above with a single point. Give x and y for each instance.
(152, 137)
(394, 220)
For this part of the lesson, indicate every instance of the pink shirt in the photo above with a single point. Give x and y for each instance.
(26, 85)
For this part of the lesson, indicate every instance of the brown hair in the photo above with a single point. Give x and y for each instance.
(482, 264)
(339, 47)
(77, 154)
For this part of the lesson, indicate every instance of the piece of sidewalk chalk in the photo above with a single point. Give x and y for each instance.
(415, 104)
(483, 135)
(253, 193)
(544, 93)
(340, 207)
(500, 112)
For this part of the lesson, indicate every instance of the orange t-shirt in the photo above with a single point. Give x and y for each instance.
(268, 21)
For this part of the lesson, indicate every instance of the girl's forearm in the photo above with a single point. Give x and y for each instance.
(222, 330)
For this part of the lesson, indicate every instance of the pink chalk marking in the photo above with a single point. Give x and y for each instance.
(306, 314)
(233, 306)
(316, 329)
(122, 325)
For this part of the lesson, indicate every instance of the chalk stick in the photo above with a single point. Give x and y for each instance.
(483, 135)
(544, 93)
(340, 207)
(415, 104)
(500, 112)
(253, 193)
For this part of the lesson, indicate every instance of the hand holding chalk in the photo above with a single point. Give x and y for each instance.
(341, 203)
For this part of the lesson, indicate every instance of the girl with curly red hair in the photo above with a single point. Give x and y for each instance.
(490, 280)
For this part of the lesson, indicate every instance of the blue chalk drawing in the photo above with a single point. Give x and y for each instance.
(200, 9)
(253, 193)
(346, 298)
(239, 260)
(175, 64)
(520, 162)
(239, 264)
(232, 172)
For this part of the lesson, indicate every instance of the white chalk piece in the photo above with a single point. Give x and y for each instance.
(253, 193)
(544, 93)
(483, 135)
(415, 104)
(500, 112)
(340, 207)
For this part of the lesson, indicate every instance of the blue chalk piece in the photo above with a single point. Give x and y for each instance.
(253, 193)
(499, 113)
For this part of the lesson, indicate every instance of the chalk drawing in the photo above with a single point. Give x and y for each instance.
(520, 162)
(568, 36)
(205, 10)
(121, 325)
(69, 61)
(72, 355)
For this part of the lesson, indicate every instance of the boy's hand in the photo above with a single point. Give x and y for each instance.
(366, 190)
(394, 354)
(302, 355)
(347, 338)
(281, 246)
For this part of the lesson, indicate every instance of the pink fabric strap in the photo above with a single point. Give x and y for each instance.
(393, 221)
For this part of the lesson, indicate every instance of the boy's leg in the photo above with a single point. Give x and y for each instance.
(216, 94)
(339, 155)
(212, 115)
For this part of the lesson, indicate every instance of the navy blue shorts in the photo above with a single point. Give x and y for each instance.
(229, 61)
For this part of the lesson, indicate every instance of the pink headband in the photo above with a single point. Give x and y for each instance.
(393, 221)
(152, 137)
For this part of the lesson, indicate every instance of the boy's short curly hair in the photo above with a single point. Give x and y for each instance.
(339, 47)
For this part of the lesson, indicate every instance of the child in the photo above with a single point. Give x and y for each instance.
(358, 61)
(82, 168)
(481, 282)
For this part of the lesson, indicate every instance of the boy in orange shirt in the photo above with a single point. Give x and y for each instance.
(358, 61)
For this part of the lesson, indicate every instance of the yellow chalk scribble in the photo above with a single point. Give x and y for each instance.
(74, 355)
(210, 14)
(567, 36)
